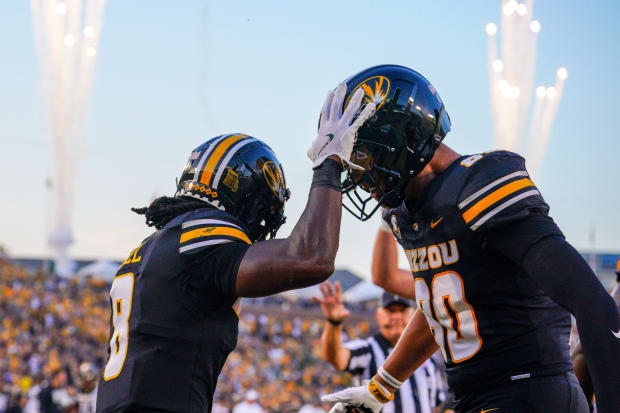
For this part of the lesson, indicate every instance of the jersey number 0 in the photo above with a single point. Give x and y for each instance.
(120, 296)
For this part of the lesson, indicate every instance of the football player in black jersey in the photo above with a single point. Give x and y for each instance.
(176, 299)
(493, 274)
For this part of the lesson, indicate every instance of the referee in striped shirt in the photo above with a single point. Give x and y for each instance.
(362, 357)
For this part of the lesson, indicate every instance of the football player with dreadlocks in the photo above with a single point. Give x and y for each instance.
(493, 275)
(176, 299)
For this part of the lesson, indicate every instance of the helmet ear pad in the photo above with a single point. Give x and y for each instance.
(261, 211)
(258, 203)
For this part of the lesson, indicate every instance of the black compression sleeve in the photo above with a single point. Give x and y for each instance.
(564, 275)
(327, 174)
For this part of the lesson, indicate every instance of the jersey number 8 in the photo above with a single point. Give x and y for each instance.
(451, 319)
(120, 296)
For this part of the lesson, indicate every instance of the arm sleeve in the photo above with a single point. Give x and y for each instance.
(361, 355)
(565, 276)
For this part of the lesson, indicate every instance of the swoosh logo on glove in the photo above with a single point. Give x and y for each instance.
(330, 136)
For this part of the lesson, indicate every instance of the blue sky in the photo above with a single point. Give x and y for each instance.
(173, 74)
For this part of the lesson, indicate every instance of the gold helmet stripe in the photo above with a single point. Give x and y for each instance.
(215, 157)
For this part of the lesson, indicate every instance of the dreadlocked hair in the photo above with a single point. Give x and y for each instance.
(164, 209)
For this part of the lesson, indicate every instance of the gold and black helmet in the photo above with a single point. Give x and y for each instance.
(397, 142)
(241, 175)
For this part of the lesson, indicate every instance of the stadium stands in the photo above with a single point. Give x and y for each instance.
(50, 324)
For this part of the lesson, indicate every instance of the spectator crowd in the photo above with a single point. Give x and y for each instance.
(53, 334)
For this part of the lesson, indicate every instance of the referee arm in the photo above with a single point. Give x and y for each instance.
(334, 311)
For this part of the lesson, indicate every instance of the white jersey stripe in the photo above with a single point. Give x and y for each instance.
(208, 222)
(376, 350)
(362, 361)
(203, 244)
(489, 186)
(206, 155)
(432, 377)
(407, 400)
(502, 207)
(229, 155)
(379, 360)
(356, 344)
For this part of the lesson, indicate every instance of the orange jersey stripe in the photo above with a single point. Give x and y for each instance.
(215, 157)
(210, 231)
(495, 196)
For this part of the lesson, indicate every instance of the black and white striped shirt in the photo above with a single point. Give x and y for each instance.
(418, 394)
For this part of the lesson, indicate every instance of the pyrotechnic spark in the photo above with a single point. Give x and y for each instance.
(512, 83)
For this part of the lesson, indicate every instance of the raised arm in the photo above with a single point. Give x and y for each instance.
(385, 271)
(307, 256)
(332, 349)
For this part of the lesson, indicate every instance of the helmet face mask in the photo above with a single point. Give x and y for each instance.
(395, 144)
(376, 179)
(242, 176)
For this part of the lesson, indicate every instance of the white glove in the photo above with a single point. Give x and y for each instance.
(336, 132)
(357, 397)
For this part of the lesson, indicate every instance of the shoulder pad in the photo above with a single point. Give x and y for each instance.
(484, 160)
(207, 227)
(497, 188)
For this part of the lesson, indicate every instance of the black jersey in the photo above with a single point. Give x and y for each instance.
(174, 316)
(465, 239)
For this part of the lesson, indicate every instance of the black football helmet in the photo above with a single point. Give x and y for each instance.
(241, 175)
(397, 142)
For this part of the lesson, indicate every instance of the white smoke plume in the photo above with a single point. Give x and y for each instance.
(67, 40)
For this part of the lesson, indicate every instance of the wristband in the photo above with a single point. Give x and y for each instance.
(333, 322)
(389, 379)
(380, 392)
(327, 174)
